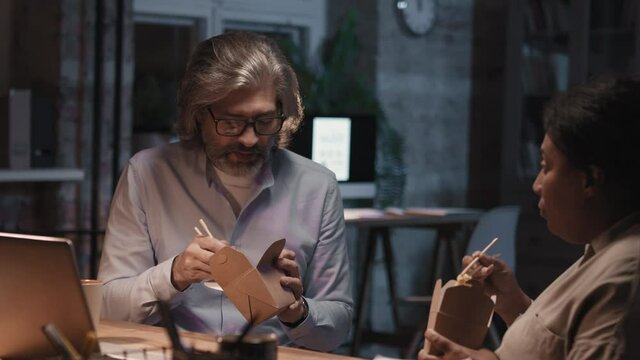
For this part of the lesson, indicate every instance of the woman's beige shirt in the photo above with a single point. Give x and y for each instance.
(582, 314)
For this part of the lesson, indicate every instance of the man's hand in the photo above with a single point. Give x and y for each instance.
(192, 265)
(451, 350)
(499, 280)
(287, 263)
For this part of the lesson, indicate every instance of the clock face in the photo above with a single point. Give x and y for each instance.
(418, 15)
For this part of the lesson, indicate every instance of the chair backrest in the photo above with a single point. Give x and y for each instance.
(500, 222)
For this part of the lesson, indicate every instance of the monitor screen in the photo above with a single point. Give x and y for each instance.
(331, 144)
(346, 144)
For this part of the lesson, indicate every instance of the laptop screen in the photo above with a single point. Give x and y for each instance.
(40, 285)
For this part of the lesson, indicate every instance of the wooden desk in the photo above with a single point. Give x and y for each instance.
(135, 337)
(373, 225)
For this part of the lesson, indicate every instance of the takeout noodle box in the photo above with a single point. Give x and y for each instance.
(461, 313)
(255, 291)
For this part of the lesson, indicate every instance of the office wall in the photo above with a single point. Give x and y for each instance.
(424, 85)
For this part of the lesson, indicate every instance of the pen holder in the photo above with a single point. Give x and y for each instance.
(252, 347)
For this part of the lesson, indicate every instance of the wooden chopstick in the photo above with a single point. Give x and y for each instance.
(198, 231)
(475, 260)
(206, 228)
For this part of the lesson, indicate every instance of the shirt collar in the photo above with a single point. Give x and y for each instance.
(618, 230)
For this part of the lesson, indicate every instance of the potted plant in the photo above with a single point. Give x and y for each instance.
(338, 87)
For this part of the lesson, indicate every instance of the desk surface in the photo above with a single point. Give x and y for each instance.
(131, 337)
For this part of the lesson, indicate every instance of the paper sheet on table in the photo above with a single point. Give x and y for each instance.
(362, 213)
(436, 211)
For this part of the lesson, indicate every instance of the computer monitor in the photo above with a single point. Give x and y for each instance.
(344, 143)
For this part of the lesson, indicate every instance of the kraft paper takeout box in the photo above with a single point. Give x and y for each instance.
(461, 313)
(255, 291)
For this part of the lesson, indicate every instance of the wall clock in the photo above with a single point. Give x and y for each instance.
(418, 16)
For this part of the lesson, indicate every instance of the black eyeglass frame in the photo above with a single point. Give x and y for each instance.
(246, 122)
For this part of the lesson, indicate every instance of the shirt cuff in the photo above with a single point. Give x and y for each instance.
(161, 281)
(306, 326)
(306, 315)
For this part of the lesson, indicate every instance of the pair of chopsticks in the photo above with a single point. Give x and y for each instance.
(204, 225)
(475, 260)
(209, 283)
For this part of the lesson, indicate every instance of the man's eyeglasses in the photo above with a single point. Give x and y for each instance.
(262, 125)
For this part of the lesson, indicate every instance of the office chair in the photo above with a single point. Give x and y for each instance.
(500, 222)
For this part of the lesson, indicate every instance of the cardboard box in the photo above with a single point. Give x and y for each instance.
(461, 313)
(255, 291)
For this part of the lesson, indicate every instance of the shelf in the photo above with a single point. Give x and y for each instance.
(40, 175)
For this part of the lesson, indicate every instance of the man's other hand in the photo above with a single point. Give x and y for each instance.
(298, 310)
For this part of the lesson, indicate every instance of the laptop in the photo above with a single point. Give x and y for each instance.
(39, 284)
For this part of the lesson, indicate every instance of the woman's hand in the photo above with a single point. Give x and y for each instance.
(499, 280)
(451, 350)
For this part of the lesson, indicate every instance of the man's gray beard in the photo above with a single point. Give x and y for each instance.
(221, 162)
(241, 170)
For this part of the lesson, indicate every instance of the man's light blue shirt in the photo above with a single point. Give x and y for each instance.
(159, 199)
